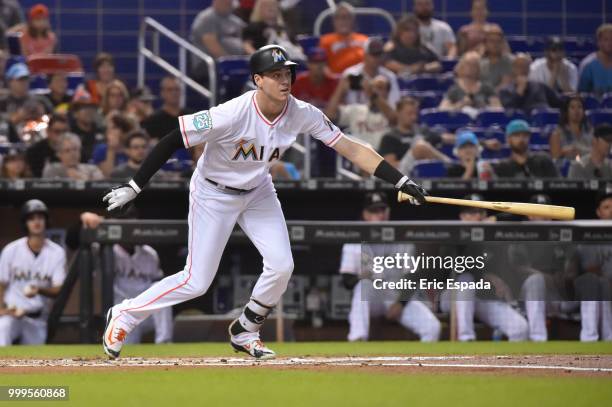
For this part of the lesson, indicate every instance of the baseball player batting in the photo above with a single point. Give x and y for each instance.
(244, 137)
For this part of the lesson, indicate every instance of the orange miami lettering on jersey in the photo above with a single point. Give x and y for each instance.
(251, 152)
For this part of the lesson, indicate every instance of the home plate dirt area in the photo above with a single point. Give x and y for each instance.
(502, 364)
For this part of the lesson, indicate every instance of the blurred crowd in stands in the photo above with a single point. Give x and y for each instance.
(436, 103)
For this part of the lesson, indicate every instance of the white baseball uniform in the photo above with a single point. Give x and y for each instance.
(134, 273)
(416, 316)
(596, 308)
(241, 146)
(20, 267)
(495, 313)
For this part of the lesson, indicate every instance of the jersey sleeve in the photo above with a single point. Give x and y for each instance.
(59, 268)
(321, 128)
(206, 125)
(351, 259)
(5, 276)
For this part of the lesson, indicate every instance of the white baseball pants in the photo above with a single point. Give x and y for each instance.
(416, 317)
(32, 331)
(212, 216)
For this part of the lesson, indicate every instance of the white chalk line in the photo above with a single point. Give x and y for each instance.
(383, 361)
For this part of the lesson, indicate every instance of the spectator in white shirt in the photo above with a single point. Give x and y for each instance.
(554, 70)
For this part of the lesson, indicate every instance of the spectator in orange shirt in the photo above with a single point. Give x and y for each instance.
(104, 66)
(344, 47)
(37, 36)
(316, 85)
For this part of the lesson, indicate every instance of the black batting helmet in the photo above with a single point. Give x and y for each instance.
(269, 58)
(34, 206)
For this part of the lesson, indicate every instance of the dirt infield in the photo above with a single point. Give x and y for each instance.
(529, 365)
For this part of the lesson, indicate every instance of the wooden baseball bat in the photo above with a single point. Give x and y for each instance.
(517, 208)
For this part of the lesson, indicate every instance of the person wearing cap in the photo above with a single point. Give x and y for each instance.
(522, 164)
(491, 307)
(413, 315)
(522, 93)
(467, 150)
(367, 122)
(32, 272)
(554, 70)
(436, 34)
(140, 105)
(596, 164)
(405, 54)
(317, 85)
(84, 122)
(410, 141)
(371, 66)
(344, 46)
(18, 77)
(573, 136)
(596, 69)
(36, 34)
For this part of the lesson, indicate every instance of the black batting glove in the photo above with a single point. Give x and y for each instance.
(413, 189)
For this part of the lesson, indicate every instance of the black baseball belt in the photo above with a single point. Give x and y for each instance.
(229, 190)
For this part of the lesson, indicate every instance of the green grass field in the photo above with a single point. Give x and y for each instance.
(261, 386)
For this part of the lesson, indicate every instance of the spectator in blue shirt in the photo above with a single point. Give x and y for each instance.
(596, 74)
(110, 154)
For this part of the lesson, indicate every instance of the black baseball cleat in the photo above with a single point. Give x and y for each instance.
(252, 345)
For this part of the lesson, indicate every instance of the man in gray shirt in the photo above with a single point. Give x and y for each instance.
(217, 31)
(596, 164)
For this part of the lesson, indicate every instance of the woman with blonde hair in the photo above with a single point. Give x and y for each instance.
(268, 27)
(469, 92)
(115, 98)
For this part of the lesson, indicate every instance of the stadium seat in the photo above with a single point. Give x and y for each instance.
(450, 120)
(606, 101)
(494, 132)
(496, 117)
(38, 84)
(590, 102)
(601, 116)
(424, 83)
(579, 46)
(14, 45)
(429, 169)
(502, 153)
(427, 100)
(308, 42)
(544, 117)
(447, 149)
(54, 63)
(533, 45)
(232, 74)
(448, 64)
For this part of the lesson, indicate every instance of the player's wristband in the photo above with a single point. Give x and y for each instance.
(134, 186)
(389, 173)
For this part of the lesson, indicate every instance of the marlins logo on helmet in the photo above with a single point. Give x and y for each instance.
(278, 56)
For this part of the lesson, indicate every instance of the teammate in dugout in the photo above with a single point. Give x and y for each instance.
(232, 184)
(32, 270)
(414, 315)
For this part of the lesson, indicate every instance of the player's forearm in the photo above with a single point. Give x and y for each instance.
(359, 154)
(157, 157)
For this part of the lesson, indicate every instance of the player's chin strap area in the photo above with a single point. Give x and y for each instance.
(252, 318)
